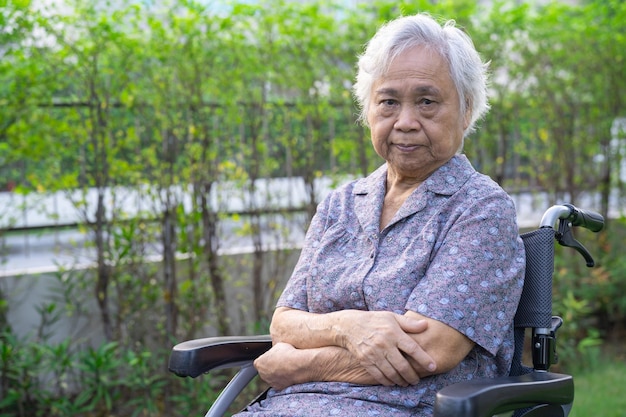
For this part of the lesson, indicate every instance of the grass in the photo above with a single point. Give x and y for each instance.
(600, 391)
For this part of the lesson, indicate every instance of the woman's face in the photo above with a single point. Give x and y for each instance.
(414, 114)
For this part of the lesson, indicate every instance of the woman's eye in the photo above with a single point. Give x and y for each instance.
(427, 101)
(388, 102)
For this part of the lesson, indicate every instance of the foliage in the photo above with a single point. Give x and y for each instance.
(591, 301)
(66, 379)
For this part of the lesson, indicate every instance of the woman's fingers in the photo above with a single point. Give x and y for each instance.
(378, 375)
(419, 360)
(411, 324)
(382, 344)
(384, 358)
(392, 368)
(273, 366)
(400, 370)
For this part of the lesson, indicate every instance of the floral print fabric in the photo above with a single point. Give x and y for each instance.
(452, 253)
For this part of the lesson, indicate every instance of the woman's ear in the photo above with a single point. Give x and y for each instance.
(467, 117)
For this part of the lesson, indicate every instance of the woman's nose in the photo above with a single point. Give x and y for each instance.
(407, 119)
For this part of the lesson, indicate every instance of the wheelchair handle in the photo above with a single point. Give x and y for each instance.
(570, 216)
(578, 217)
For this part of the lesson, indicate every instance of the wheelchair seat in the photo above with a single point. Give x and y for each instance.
(529, 391)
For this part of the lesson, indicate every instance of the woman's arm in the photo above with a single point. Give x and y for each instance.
(380, 342)
(377, 359)
(446, 345)
(284, 365)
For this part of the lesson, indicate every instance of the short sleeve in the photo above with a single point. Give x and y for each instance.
(475, 278)
(295, 293)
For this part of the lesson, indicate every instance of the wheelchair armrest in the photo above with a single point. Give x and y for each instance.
(196, 357)
(486, 397)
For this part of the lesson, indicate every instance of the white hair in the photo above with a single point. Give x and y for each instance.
(468, 72)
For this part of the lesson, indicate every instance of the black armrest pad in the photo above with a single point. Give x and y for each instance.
(486, 397)
(196, 357)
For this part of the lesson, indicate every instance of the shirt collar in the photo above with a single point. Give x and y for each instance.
(451, 176)
(446, 180)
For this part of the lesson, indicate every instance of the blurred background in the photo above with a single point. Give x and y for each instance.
(160, 162)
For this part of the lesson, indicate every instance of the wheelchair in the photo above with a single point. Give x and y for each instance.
(527, 391)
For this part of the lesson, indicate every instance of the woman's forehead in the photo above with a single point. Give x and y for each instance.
(419, 69)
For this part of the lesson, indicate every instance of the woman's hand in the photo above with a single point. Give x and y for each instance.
(381, 343)
(279, 366)
(283, 366)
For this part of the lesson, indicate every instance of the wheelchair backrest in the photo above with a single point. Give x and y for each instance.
(535, 307)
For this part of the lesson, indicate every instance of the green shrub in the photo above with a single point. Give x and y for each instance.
(40, 379)
(590, 300)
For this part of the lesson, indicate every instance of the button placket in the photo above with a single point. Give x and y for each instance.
(374, 239)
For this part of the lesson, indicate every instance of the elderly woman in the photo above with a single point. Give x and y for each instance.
(409, 279)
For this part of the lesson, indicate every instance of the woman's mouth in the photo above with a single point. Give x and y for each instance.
(406, 147)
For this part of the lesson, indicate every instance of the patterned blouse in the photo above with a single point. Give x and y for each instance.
(452, 253)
